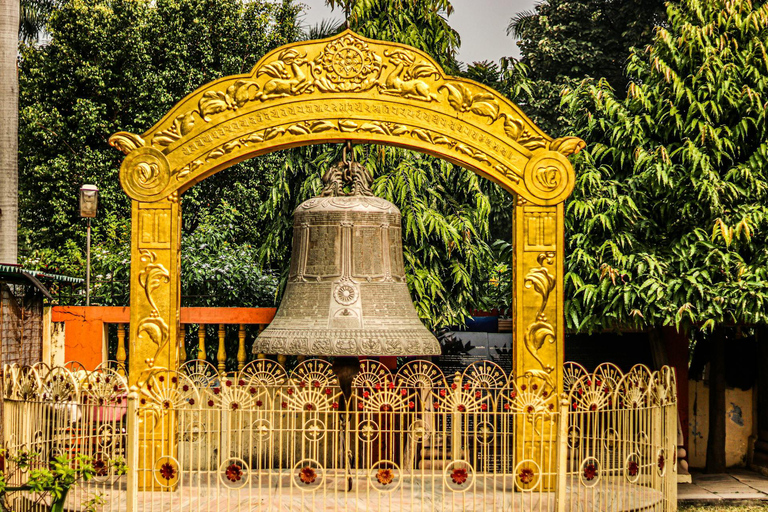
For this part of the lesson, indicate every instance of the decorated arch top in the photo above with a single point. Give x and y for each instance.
(346, 88)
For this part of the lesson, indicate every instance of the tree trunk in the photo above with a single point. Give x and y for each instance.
(761, 445)
(9, 119)
(716, 439)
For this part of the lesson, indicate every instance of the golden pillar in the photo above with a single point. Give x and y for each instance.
(155, 295)
(539, 332)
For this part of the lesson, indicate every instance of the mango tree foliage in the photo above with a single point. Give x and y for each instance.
(121, 65)
(668, 223)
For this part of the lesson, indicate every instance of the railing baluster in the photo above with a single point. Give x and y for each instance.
(241, 347)
(121, 353)
(182, 344)
(561, 461)
(260, 355)
(201, 342)
(221, 355)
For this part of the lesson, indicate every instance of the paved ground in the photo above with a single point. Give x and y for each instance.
(736, 485)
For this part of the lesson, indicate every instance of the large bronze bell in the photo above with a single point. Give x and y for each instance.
(346, 293)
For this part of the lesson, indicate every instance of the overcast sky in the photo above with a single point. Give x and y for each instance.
(482, 25)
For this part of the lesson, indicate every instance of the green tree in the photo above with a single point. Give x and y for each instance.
(120, 65)
(669, 220)
(34, 15)
(564, 41)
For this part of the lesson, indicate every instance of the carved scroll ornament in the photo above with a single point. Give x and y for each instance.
(540, 330)
(152, 327)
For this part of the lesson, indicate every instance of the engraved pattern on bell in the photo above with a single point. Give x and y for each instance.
(346, 293)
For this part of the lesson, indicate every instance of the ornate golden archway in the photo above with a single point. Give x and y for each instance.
(346, 88)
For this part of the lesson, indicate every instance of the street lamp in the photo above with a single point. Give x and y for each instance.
(89, 201)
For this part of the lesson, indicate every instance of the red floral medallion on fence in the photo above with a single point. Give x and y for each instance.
(234, 473)
(385, 476)
(167, 471)
(633, 468)
(661, 462)
(526, 475)
(307, 475)
(590, 471)
(459, 476)
(100, 467)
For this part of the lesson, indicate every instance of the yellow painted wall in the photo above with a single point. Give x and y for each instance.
(738, 424)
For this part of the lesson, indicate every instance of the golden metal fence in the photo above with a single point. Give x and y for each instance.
(265, 439)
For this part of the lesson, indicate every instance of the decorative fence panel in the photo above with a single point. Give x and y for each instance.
(68, 415)
(268, 440)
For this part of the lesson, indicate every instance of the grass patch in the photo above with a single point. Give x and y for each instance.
(723, 508)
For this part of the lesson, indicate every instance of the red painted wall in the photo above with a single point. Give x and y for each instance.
(84, 325)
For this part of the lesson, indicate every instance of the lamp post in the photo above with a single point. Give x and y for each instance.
(89, 200)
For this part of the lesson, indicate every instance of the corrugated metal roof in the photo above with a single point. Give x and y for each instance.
(12, 269)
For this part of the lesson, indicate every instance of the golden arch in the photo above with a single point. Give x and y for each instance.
(345, 88)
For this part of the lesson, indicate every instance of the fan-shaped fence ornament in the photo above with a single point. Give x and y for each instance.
(421, 375)
(264, 372)
(608, 374)
(371, 373)
(234, 394)
(30, 386)
(634, 389)
(528, 394)
(310, 391)
(572, 372)
(104, 386)
(202, 373)
(465, 397)
(663, 386)
(167, 390)
(591, 393)
(314, 371)
(60, 385)
(484, 375)
(11, 382)
(382, 396)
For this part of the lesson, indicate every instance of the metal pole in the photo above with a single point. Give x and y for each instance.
(88, 266)
(561, 462)
(132, 449)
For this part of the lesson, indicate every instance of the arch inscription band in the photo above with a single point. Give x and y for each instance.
(346, 88)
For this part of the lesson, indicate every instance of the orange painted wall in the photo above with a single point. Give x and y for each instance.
(84, 325)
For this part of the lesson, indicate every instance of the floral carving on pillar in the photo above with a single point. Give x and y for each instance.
(153, 327)
(540, 331)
